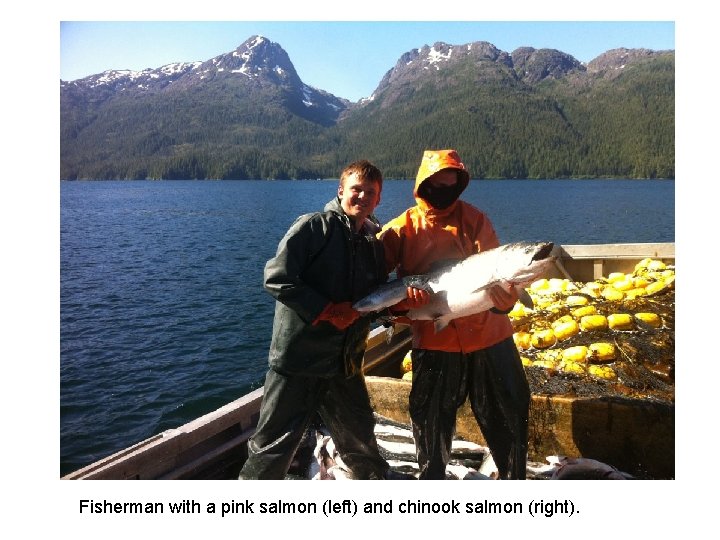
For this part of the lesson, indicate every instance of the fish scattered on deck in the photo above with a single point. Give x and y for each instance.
(567, 468)
(329, 464)
(468, 460)
(461, 289)
(461, 472)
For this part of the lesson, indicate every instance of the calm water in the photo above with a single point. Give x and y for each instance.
(163, 316)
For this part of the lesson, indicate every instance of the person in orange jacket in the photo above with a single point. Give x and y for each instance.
(474, 357)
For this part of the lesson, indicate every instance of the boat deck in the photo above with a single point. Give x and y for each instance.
(468, 460)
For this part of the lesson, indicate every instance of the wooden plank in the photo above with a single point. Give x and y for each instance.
(226, 416)
(376, 337)
(191, 469)
(639, 251)
(100, 465)
(598, 268)
(379, 351)
(588, 262)
(164, 452)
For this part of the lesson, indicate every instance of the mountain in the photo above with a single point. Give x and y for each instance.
(166, 122)
(531, 113)
(528, 114)
(479, 61)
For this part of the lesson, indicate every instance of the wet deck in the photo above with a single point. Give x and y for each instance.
(468, 460)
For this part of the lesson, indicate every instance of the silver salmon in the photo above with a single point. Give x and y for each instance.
(461, 289)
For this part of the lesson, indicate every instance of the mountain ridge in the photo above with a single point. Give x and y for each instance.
(252, 103)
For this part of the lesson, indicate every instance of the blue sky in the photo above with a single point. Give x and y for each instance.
(346, 58)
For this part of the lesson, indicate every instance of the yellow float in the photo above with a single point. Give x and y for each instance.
(612, 294)
(565, 329)
(602, 372)
(575, 354)
(601, 352)
(620, 321)
(582, 311)
(635, 293)
(593, 322)
(624, 284)
(651, 320)
(542, 339)
(577, 300)
(655, 287)
(522, 340)
(407, 362)
(553, 355)
(572, 367)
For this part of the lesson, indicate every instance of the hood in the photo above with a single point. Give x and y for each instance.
(434, 161)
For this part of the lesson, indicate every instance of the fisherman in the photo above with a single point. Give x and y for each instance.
(474, 356)
(325, 261)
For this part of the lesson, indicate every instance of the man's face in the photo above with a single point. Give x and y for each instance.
(359, 198)
(441, 189)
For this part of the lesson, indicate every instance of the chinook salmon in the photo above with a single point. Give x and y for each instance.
(461, 289)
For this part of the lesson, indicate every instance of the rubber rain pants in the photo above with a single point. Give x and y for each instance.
(344, 406)
(493, 379)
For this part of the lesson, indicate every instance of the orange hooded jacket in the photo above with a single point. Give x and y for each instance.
(423, 236)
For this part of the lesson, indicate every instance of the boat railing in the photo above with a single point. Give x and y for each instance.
(588, 262)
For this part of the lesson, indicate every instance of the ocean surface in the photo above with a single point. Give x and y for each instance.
(163, 316)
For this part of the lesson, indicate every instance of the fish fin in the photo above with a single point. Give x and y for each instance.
(418, 281)
(480, 288)
(525, 299)
(441, 323)
(504, 284)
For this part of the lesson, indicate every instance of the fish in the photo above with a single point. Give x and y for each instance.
(461, 289)
(330, 465)
(460, 472)
(566, 468)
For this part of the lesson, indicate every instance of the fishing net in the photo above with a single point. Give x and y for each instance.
(641, 363)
